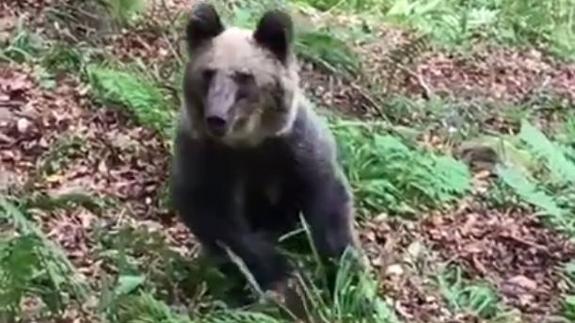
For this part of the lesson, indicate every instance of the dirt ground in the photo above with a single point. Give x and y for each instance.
(57, 141)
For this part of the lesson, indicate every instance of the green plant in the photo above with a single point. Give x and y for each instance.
(317, 45)
(565, 137)
(387, 175)
(562, 169)
(464, 296)
(124, 11)
(551, 195)
(569, 307)
(327, 51)
(61, 57)
(33, 266)
(23, 46)
(355, 297)
(356, 6)
(144, 308)
(453, 22)
(140, 96)
(530, 191)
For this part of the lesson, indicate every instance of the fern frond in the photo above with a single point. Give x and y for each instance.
(239, 316)
(141, 97)
(529, 192)
(144, 308)
(58, 261)
(327, 51)
(562, 169)
(30, 264)
(386, 174)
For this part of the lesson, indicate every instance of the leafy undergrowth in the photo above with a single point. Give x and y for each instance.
(140, 96)
(87, 105)
(390, 176)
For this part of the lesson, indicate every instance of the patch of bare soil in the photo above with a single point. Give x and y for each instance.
(406, 267)
(356, 95)
(496, 74)
(334, 92)
(65, 141)
(30, 6)
(512, 249)
(396, 252)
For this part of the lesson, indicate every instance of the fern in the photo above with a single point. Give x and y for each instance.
(20, 266)
(561, 168)
(553, 197)
(532, 194)
(327, 51)
(140, 96)
(30, 264)
(569, 307)
(387, 175)
(144, 308)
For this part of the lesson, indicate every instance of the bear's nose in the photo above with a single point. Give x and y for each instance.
(216, 125)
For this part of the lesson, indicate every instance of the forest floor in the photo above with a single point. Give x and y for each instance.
(89, 166)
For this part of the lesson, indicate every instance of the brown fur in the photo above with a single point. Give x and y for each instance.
(271, 110)
(250, 152)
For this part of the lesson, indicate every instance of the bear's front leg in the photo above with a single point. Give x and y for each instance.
(205, 193)
(328, 208)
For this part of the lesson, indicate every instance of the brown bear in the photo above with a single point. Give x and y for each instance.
(250, 152)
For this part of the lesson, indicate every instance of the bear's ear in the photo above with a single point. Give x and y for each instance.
(274, 32)
(204, 25)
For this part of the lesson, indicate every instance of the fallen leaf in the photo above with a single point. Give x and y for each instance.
(523, 282)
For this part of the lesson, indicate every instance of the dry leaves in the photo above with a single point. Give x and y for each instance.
(514, 250)
(495, 74)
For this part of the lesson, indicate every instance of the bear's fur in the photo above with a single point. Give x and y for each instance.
(250, 153)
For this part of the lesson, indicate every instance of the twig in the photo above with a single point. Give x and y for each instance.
(171, 19)
(172, 23)
(373, 101)
(427, 92)
(526, 243)
(172, 49)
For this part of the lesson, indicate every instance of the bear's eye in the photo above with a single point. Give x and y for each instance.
(245, 82)
(208, 74)
(243, 77)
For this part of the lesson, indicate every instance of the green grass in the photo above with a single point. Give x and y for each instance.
(569, 300)
(355, 300)
(23, 45)
(148, 275)
(462, 295)
(148, 270)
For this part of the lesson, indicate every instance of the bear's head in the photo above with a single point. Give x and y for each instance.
(241, 85)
